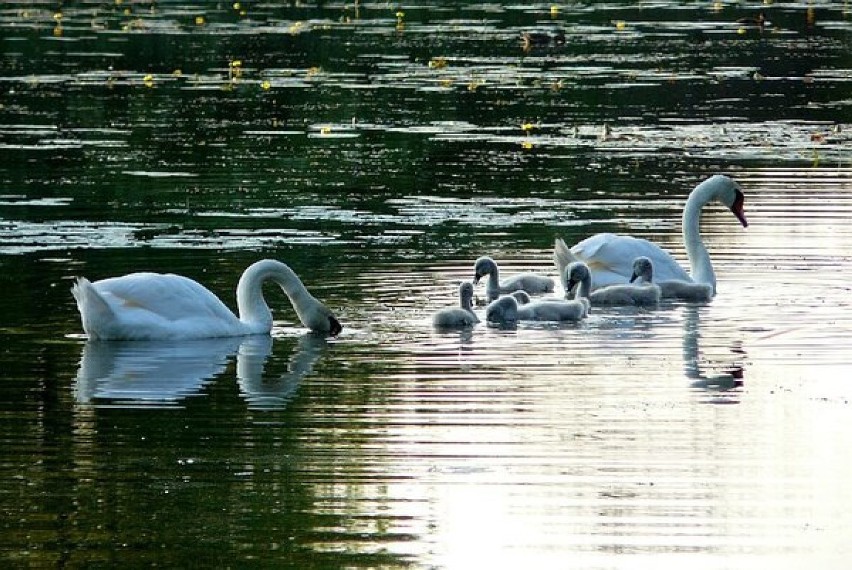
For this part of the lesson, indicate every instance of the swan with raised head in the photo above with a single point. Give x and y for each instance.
(461, 316)
(506, 309)
(610, 256)
(683, 290)
(529, 282)
(150, 306)
(641, 294)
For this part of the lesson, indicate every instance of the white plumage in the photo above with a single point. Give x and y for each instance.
(165, 306)
(610, 257)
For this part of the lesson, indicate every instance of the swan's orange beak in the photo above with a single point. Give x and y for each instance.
(737, 208)
(334, 326)
(633, 277)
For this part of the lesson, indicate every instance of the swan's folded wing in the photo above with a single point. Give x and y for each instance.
(172, 297)
(611, 253)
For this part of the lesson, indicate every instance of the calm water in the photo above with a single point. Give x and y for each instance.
(379, 149)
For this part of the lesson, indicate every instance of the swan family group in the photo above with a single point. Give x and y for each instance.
(605, 269)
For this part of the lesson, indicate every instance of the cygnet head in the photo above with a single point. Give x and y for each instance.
(643, 270)
(483, 266)
(576, 273)
(503, 310)
(729, 193)
(466, 294)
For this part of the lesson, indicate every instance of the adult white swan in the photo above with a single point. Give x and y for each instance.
(529, 282)
(610, 257)
(149, 306)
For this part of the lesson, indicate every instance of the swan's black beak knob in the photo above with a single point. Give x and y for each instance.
(334, 326)
(737, 208)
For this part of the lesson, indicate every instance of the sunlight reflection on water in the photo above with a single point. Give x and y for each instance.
(380, 151)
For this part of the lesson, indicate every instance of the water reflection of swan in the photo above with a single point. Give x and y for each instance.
(271, 390)
(158, 373)
(610, 256)
(731, 376)
(152, 306)
(150, 372)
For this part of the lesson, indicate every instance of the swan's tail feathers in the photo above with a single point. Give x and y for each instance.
(93, 308)
(562, 255)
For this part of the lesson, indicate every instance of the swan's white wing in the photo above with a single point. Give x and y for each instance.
(171, 297)
(610, 258)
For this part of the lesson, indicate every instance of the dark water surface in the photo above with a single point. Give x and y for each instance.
(378, 149)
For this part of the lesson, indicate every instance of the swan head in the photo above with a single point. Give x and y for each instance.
(334, 326)
(643, 270)
(577, 273)
(483, 266)
(727, 191)
(503, 310)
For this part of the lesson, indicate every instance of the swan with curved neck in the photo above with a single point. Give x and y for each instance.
(166, 306)
(610, 256)
(529, 282)
(461, 316)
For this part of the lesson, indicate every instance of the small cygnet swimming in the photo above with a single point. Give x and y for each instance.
(642, 294)
(461, 316)
(532, 283)
(675, 288)
(506, 309)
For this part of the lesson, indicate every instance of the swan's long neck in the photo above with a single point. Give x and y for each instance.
(253, 308)
(700, 266)
(493, 277)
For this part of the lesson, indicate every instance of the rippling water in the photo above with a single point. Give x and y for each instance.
(379, 149)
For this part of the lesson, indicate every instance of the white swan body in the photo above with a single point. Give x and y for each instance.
(529, 282)
(152, 306)
(642, 294)
(683, 290)
(461, 316)
(506, 309)
(610, 256)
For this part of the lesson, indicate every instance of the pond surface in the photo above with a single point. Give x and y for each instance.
(379, 149)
